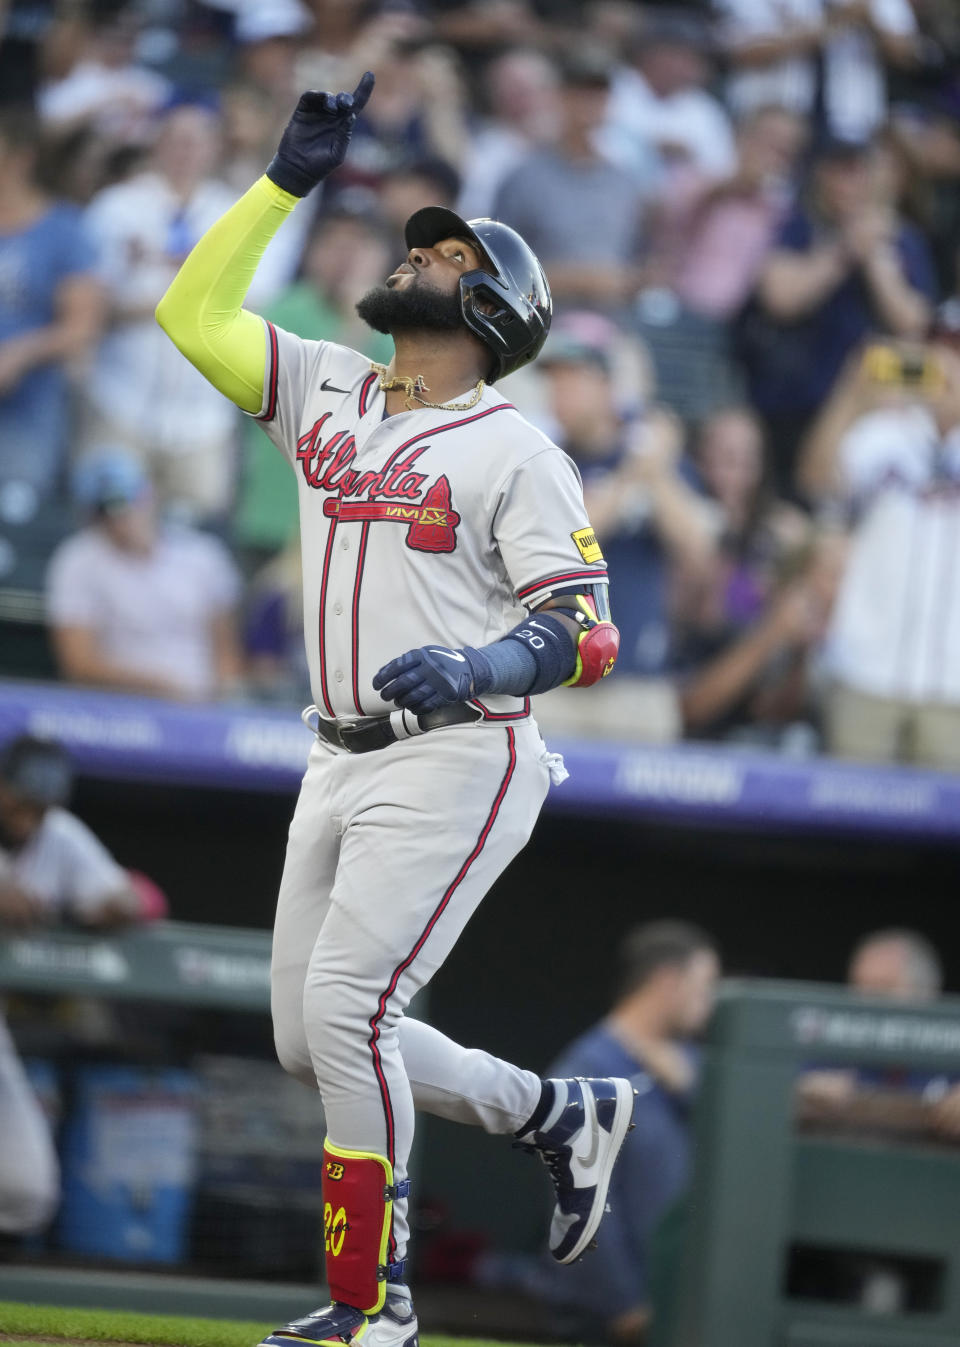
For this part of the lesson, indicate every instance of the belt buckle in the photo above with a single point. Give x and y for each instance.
(345, 733)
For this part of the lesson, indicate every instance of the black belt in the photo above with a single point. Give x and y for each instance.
(363, 736)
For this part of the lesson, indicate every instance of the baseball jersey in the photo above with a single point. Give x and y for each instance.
(423, 527)
(64, 866)
(895, 629)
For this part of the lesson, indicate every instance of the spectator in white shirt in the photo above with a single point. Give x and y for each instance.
(659, 102)
(822, 58)
(141, 394)
(51, 865)
(888, 443)
(136, 606)
(105, 89)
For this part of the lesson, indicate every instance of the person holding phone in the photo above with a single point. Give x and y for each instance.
(887, 446)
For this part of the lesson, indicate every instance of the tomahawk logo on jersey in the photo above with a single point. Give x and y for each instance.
(429, 527)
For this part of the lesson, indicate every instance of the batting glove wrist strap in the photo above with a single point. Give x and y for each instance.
(316, 137)
(358, 1196)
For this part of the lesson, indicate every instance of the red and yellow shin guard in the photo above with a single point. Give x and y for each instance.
(358, 1195)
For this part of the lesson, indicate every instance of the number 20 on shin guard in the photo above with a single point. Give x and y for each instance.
(357, 1212)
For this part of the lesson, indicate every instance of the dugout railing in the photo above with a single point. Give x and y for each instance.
(173, 964)
(869, 1206)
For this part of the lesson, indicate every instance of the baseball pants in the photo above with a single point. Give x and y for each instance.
(389, 854)
(29, 1175)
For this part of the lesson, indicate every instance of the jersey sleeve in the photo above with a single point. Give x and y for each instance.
(72, 592)
(542, 531)
(88, 873)
(292, 366)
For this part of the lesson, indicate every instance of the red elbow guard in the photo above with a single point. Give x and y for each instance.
(597, 650)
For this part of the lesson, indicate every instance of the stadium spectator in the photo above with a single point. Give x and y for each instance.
(668, 972)
(50, 313)
(758, 685)
(844, 266)
(51, 867)
(823, 59)
(345, 255)
(760, 532)
(249, 127)
(268, 36)
(520, 114)
(277, 669)
(590, 255)
(896, 963)
(141, 395)
(709, 237)
(659, 101)
(748, 628)
(711, 233)
(887, 443)
(105, 88)
(136, 606)
(422, 113)
(25, 30)
(901, 965)
(407, 188)
(649, 521)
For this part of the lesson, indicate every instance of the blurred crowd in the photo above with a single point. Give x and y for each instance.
(748, 211)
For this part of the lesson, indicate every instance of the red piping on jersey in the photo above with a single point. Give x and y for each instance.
(354, 618)
(422, 939)
(502, 715)
(365, 392)
(270, 410)
(594, 575)
(328, 552)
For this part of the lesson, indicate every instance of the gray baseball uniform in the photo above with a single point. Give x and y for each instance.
(427, 526)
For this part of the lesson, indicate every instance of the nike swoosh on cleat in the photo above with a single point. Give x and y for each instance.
(450, 654)
(590, 1156)
(328, 387)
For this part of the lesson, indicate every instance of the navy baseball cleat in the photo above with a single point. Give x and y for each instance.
(394, 1326)
(579, 1141)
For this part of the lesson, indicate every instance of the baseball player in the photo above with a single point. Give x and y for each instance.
(449, 572)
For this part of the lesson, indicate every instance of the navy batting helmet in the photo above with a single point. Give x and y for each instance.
(506, 302)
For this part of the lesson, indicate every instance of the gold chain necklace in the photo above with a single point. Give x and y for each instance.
(414, 388)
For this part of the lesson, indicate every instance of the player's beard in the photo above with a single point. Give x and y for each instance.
(414, 308)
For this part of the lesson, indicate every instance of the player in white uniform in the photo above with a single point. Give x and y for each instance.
(51, 866)
(438, 528)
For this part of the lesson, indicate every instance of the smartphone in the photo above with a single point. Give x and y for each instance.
(904, 369)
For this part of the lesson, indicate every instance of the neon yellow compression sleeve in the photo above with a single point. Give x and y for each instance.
(202, 310)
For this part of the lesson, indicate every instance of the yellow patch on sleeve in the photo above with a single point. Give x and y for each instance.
(586, 541)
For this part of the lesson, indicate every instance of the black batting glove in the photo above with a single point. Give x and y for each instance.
(433, 676)
(316, 137)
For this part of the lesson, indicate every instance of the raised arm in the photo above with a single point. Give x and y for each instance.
(202, 310)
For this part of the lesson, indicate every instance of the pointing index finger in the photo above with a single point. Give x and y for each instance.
(363, 91)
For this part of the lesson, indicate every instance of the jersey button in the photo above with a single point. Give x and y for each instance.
(339, 675)
(346, 544)
(338, 608)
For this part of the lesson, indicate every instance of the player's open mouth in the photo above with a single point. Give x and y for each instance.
(405, 269)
